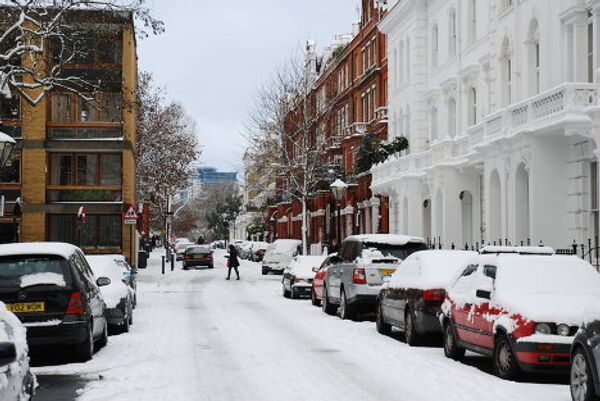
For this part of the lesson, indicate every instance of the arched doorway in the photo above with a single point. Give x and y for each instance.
(522, 204)
(495, 209)
(466, 207)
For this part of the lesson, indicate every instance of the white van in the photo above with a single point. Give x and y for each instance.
(279, 255)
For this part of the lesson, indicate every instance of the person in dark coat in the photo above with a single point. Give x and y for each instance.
(233, 262)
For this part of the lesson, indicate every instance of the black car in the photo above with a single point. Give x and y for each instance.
(585, 358)
(198, 255)
(52, 290)
(413, 297)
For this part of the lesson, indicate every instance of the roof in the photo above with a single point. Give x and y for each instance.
(391, 239)
(39, 248)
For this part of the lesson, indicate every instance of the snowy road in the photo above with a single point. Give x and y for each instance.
(199, 337)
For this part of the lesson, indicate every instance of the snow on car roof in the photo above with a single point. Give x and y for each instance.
(522, 250)
(302, 266)
(430, 269)
(105, 266)
(39, 248)
(389, 239)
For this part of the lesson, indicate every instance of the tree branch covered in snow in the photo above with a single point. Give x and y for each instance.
(166, 145)
(40, 38)
(288, 134)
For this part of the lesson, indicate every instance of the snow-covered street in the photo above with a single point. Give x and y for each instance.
(197, 336)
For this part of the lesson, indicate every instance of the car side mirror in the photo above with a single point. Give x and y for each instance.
(483, 294)
(103, 281)
(315, 269)
(8, 353)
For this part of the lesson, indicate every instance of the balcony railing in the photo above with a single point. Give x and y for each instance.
(85, 133)
(381, 115)
(334, 141)
(79, 194)
(358, 128)
(538, 111)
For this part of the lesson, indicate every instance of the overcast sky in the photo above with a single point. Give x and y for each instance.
(214, 54)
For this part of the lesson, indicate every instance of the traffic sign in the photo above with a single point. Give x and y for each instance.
(131, 217)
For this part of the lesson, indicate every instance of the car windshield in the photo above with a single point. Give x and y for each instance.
(183, 247)
(401, 252)
(24, 270)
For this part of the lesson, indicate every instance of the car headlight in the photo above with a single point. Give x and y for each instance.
(543, 328)
(563, 330)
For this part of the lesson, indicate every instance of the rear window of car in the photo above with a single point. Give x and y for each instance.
(23, 271)
(197, 250)
(395, 251)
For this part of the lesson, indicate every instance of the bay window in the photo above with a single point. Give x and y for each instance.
(100, 231)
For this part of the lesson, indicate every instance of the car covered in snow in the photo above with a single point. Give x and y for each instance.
(117, 294)
(16, 380)
(298, 276)
(52, 290)
(355, 277)
(198, 255)
(180, 249)
(319, 279)
(280, 254)
(259, 248)
(129, 274)
(523, 311)
(413, 297)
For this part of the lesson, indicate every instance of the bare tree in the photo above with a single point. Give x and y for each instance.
(166, 145)
(39, 37)
(288, 133)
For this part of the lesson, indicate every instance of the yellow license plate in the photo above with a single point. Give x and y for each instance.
(27, 307)
(386, 272)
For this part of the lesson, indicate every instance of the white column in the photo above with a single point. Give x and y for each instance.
(596, 23)
(580, 48)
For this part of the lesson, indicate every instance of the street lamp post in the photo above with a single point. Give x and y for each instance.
(339, 188)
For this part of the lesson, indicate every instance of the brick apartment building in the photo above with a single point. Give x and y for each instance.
(72, 153)
(349, 98)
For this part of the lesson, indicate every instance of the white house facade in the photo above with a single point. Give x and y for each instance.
(499, 102)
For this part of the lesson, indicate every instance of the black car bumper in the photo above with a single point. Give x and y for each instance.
(426, 323)
(195, 263)
(62, 334)
(115, 316)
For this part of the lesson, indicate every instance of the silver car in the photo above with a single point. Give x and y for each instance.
(353, 280)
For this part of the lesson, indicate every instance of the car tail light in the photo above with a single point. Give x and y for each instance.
(186, 256)
(359, 277)
(434, 295)
(75, 304)
(209, 255)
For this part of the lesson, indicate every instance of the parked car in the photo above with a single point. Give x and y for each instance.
(117, 294)
(16, 380)
(298, 276)
(319, 280)
(355, 277)
(129, 274)
(198, 255)
(258, 251)
(523, 311)
(180, 249)
(279, 254)
(585, 359)
(414, 295)
(245, 250)
(52, 290)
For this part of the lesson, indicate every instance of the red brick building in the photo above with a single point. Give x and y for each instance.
(351, 80)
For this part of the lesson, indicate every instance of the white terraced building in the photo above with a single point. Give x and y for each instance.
(499, 102)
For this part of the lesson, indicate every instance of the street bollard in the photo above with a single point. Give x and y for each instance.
(172, 262)
(163, 264)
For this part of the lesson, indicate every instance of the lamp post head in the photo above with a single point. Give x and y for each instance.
(6, 146)
(339, 188)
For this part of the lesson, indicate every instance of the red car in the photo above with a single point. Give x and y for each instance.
(523, 311)
(317, 292)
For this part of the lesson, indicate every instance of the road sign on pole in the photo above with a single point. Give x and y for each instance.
(131, 217)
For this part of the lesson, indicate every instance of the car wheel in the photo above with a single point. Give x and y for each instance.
(410, 335)
(134, 300)
(451, 349)
(346, 310)
(313, 298)
(327, 306)
(504, 360)
(581, 379)
(286, 293)
(265, 271)
(382, 327)
(131, 316)
(85, 351)
(293, 293)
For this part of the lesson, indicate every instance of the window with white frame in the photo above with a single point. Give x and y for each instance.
(472, 106)
(434, 46)
(408, 60)
(401, 62)
(452, 34)
(433, 123)
(590, 47)
(452, 117)
(472, 10)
